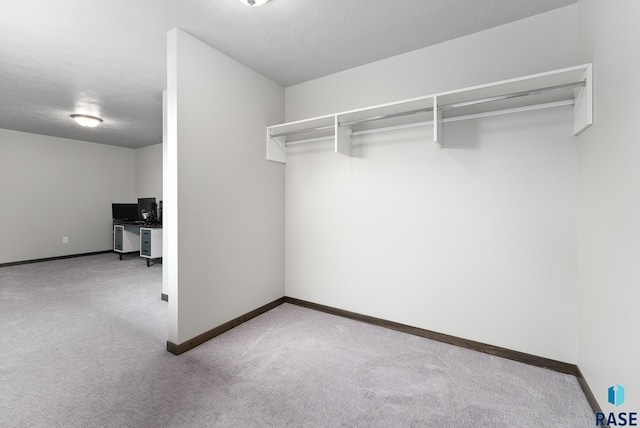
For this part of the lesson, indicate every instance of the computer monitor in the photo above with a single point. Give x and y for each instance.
(126, 212)
(147, 209)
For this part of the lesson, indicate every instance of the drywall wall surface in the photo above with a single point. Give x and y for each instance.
(609, 208)
(170, 187)
(149, 172)
(230, 215)
(541, 43)
(52, 188)
(165, 174)
(476, 240)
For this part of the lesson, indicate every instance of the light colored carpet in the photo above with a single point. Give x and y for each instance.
(83, 345)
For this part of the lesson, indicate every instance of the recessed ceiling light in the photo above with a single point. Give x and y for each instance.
(86, 120)
(253, 2)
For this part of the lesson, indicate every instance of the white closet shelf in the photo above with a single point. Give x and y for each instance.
(567, 86)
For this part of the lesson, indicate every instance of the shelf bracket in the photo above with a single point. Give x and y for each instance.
(437, 123)
(276, 148)
(342, 138)
(583, 103)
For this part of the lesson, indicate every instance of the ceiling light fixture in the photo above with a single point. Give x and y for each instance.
(86, 120)
(253, 2)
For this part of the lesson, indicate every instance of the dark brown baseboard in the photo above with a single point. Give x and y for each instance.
(48, 259)
(588, 393)
(192, 343)
(164, 297)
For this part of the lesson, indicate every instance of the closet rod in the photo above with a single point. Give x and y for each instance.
(387, 116)
(442, 107)
(301, 131)
(513, 95)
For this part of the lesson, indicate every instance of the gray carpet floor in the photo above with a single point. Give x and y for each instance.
(83, 345)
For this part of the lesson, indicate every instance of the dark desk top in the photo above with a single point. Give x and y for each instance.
(137, 224)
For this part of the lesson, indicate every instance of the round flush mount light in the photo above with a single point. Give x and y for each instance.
(254, 3)
(86, 120)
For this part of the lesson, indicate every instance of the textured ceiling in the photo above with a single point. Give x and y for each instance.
(108, 57)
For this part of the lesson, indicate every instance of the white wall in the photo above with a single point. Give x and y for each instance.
(167, 235)
(477, 240)
(53, 187)
(609, 207)
(223, 199)
(149, 172)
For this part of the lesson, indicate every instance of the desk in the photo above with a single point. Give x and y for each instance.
(130, 237)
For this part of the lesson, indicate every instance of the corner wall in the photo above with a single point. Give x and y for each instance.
(476, 240)
(224, 203)
(52, 187)
(609, 206)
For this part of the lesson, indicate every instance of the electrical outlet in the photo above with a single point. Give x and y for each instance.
(65, 239)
